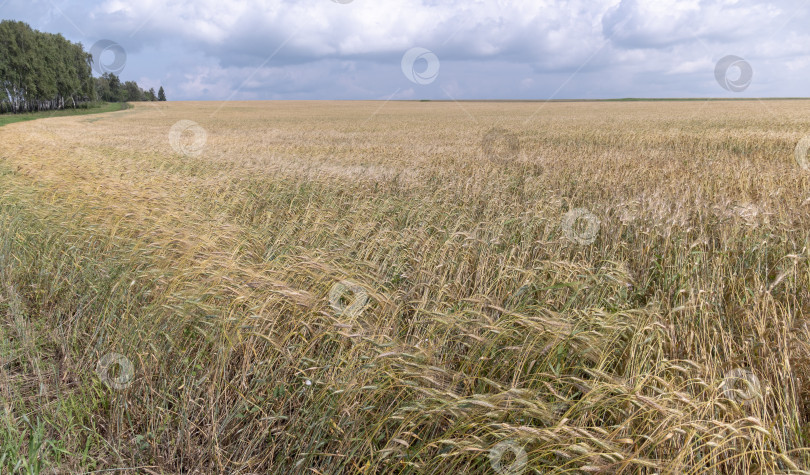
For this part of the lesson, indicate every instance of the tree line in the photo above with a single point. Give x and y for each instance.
(109, 88)
(44, 71)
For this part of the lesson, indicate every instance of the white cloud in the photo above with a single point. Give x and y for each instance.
(492, 49)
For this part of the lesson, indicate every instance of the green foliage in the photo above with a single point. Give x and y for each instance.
(161, 94)
(41, 71)
(44, 71)
(111, 89)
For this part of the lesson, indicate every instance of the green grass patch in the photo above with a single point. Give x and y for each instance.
(104, 107)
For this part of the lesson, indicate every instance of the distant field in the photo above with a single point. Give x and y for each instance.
(613, 287)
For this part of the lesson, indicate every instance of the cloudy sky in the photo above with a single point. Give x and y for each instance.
(442, 49)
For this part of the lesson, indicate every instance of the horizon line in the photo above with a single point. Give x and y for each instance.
(622, 99)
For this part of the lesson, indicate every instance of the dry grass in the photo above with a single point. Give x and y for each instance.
(488, 326)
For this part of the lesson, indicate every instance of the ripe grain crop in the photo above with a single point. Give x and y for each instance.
(360, 287)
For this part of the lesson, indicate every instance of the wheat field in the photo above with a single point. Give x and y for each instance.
(407, 287)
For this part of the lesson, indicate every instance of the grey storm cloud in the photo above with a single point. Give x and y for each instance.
(524, 49)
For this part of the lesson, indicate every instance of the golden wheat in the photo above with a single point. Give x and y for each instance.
(548, 288)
